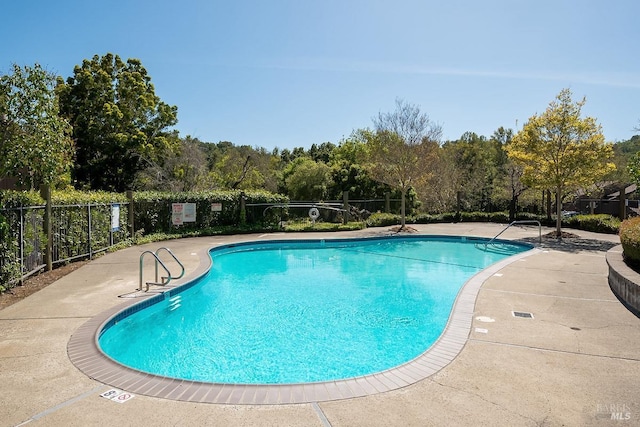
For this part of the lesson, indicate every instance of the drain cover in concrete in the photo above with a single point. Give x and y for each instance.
(522, 314)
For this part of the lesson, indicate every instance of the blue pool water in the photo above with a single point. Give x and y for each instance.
(291, 312)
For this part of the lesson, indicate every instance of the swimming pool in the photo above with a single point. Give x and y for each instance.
(288, 312)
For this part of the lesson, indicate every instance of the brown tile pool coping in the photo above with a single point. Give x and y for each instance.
(85, 354)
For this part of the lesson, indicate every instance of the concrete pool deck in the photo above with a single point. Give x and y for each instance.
(576, 362)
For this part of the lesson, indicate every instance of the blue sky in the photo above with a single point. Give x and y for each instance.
(289, 73)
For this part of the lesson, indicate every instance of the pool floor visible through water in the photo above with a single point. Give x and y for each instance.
(296, 312)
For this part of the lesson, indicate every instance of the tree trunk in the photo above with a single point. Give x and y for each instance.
(513, 205)
(558, 213)
(403, 209)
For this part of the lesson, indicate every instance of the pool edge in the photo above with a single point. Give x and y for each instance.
(85, 354)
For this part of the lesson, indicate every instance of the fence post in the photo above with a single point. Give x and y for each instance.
(345, 206)
(21, 237)
(89, 231)
(45, 193)
(131, 227)
(243, 209)
(622, 209)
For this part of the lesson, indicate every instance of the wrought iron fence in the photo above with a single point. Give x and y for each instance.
(77, 231)
(83, 230)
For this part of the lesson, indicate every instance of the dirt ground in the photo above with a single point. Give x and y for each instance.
(35, 283)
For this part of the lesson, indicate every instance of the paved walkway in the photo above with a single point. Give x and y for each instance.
(577, 362)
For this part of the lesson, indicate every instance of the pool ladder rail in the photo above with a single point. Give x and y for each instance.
(527, 221)
(164, 279)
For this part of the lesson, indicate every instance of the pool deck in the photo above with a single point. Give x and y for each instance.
(576, 362)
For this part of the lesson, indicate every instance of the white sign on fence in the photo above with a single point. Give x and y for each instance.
(183, 212)
(216, 207)
(189, 212)
(177, 213)
(115, 217)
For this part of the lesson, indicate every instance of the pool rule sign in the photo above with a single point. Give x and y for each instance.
(183, 212)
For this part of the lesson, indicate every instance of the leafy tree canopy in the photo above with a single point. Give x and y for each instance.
(560, 151)
(402, 148)
(306, 179)
(119, 124)
(35, 142)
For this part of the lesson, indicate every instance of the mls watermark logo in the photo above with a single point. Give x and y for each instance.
(613, 411)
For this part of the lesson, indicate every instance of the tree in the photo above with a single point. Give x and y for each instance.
(119, 124)
(475, 160)
(443, 185)
(237, 168)
(35, 142)
(402, 148)
(627, 160)
(633, 168)
(508, 179)
(185, 171)
(561, 151)
(307, 180)
(348, 174)
(321, 153)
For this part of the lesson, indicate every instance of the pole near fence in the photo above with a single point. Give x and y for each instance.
(345, 206)
(89, 248)
(45, 193)
(622, 208)
(21, 237)
(131, 227)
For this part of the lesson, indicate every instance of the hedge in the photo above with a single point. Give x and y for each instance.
(630, 240)
(600, 223)
(72, 219)
(9, 264)
(606, 224)
(152, 210)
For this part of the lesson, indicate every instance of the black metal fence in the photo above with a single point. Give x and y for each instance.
(328, 211)
(83, 230)
(77, 231)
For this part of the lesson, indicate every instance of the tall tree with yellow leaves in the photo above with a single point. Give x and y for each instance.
(560, 151)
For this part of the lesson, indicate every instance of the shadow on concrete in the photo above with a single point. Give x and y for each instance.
(571, 245)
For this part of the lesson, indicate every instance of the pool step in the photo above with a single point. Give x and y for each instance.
(163, 282)
(175, 302)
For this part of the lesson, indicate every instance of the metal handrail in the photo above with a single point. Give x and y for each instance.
(532, 221)
(175, 259)
(168, 277)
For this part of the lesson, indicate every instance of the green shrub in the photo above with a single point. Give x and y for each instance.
(524, 216)
(423, 218)
(600, 223)
(323, 226)
(630, 239)
(499, 217)
(14, 199)
(9, 263)
(474, 216)
(380, 219)
(153, 209)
